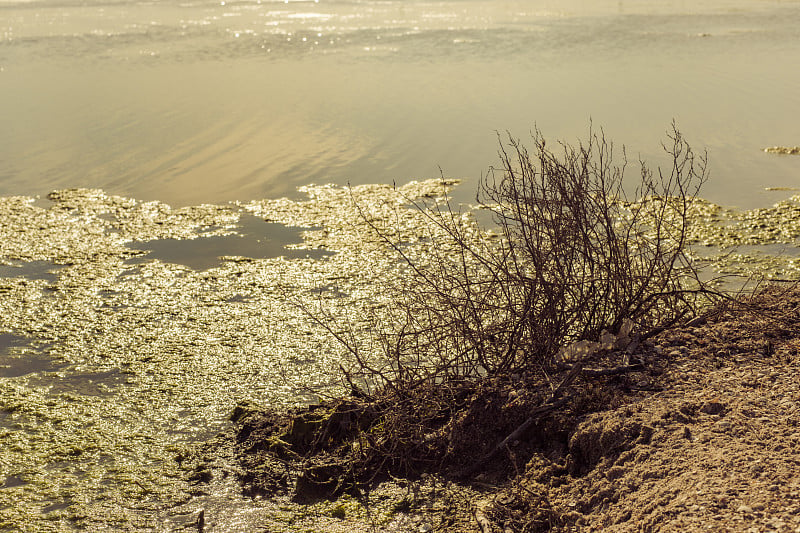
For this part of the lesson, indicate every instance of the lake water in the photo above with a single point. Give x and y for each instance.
(121, 347)
(191, 101)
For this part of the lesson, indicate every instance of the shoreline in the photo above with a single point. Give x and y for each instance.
(131, 360)
(706, 434)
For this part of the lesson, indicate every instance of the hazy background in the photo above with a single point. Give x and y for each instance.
(190, 101)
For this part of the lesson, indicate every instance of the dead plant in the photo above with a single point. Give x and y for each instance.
(570, 255)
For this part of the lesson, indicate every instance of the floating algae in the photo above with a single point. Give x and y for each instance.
(735, 246)
(783, 150)
(140, 360)
(131, 362)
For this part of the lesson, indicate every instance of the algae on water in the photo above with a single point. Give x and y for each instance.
(131, 359)
(783, 150)
(148, 356)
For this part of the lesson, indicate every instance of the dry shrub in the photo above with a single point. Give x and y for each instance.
(577, 256)
(482, 314)
(569, 256)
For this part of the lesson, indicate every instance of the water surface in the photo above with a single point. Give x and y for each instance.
(208, 101)
(125, 338)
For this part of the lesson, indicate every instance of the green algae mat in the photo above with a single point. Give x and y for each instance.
(129, 330)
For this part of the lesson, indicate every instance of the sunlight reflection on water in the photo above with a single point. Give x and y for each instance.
(186, 104)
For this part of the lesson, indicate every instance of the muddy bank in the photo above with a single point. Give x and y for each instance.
(704, 433)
